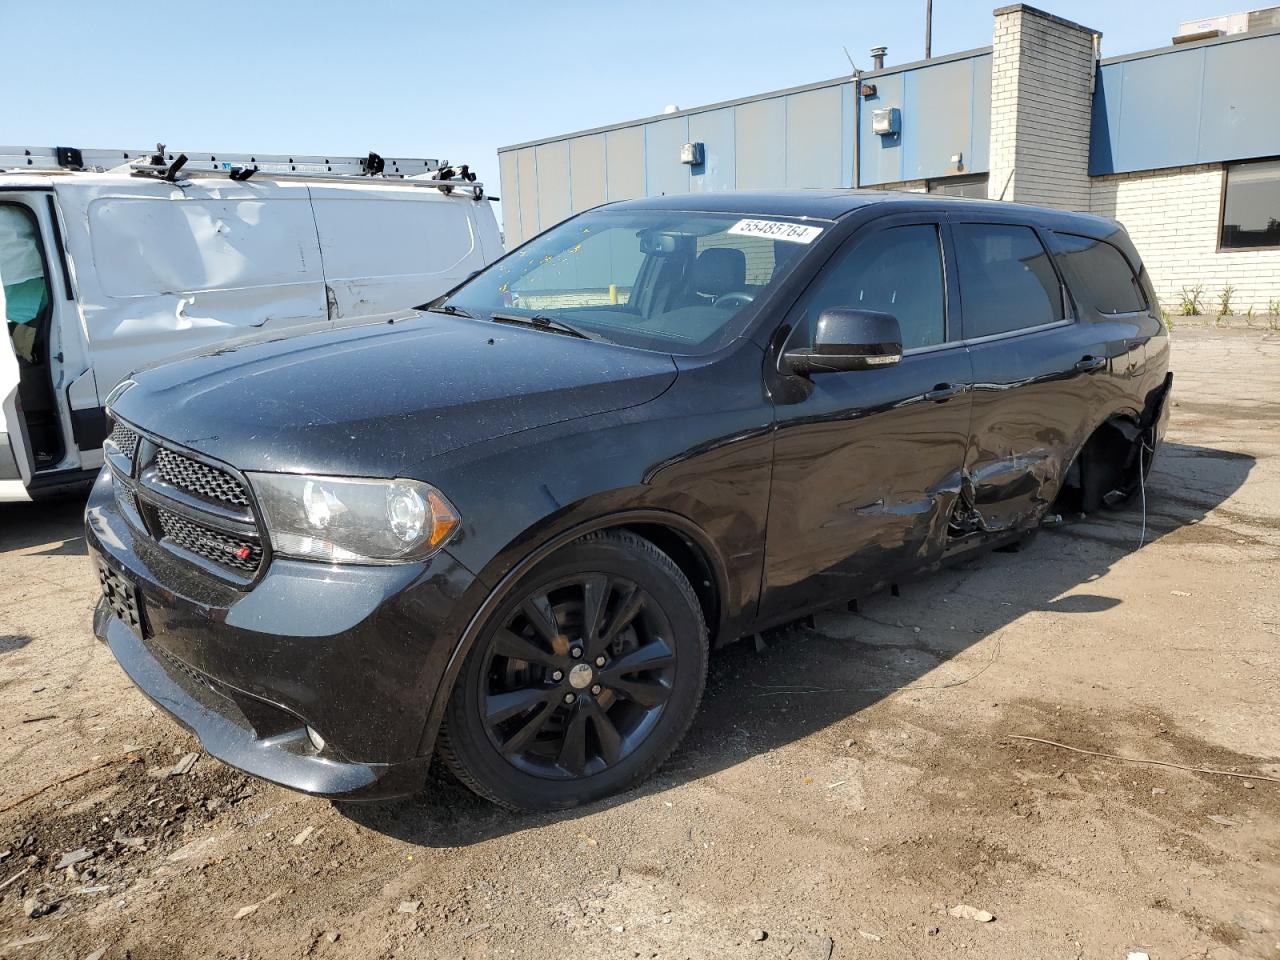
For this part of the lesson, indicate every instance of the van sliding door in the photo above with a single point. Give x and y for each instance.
(387, 249)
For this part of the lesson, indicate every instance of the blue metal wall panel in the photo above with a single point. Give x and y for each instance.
(760, 141)
(1148, 89)
(510, 190)
(553, 182)
(814, 134)
(527, 197)
(586, 172)
(848, 124)
(664, 173)
(1240, 102)
(719, 170)
(945, 110)
(937, 122)
(1108, 94)
(880, 159)
(624, 163)
(1203, 104)
(979, 158)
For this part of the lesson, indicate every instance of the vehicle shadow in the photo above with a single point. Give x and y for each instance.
(56, 524)
(807, 677)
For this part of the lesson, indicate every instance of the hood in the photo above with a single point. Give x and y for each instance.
(377, 399)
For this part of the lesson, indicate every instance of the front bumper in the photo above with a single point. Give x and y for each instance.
(355, 653)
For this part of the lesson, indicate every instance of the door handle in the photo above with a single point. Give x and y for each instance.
(1088, 364)
(944, 392)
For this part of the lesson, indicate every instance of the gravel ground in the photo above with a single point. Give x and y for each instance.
(844, 790)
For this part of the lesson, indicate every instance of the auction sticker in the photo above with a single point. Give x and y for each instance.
(776, 230)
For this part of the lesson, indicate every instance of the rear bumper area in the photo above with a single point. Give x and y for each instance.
(354, 653)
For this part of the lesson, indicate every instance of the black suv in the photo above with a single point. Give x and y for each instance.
(509, 526)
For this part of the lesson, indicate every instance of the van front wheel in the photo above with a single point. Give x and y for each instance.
(584, 679)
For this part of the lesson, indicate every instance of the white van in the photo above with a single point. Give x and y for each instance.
(104, 273)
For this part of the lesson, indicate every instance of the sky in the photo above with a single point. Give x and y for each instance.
(456, 81)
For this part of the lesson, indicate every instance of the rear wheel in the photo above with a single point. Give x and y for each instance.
(583, 681)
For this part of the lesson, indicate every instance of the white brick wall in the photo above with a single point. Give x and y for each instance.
(1041, 103)
(1172, 216)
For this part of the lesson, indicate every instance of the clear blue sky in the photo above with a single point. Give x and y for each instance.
(405, 79)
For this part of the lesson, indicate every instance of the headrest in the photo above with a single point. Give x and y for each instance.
(720, 270)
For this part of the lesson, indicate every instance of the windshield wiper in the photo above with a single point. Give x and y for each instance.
(451, 310)
(549, 324)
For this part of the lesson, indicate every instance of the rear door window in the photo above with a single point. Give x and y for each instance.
(1007, 280)
(1105, 274)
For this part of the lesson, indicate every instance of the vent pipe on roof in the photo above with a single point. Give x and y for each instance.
(877, 57)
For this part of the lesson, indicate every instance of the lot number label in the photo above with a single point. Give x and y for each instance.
(776, 230)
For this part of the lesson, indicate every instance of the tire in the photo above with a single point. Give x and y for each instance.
(634, 675)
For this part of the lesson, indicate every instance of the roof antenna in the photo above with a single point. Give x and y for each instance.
(853, 67)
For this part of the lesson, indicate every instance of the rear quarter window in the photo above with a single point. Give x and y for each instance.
(1103, 273)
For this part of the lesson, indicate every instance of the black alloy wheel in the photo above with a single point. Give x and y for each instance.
(584, 680)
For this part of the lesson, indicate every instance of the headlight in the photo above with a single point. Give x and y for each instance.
(350, 520)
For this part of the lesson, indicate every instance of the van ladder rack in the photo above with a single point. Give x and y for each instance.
(180, 171)
(177, 166)
(76, 158)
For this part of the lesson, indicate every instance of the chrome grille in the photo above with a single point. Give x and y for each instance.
(200, 479)
(126, 440)
(126, 496)
(221, 548)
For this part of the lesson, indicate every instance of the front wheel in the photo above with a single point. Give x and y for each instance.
(583, 681)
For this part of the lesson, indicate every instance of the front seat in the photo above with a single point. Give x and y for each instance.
(719, 270)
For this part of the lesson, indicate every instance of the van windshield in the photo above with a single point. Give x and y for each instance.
(657, 279)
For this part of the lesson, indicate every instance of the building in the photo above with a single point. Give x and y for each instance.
(1181, 144)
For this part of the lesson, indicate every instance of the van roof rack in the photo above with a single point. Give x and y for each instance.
(176, 165)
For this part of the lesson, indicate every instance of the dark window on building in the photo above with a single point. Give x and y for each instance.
(975, 187)
(1105, 273)
(1251, 206)
(1007, 281)
(898, 271)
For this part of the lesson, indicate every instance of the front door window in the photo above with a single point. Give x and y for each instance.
(899, 272)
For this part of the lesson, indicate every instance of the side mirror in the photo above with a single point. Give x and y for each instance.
(848, 339)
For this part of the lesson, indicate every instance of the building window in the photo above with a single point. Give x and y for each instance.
(975, 187)
(1251, 206)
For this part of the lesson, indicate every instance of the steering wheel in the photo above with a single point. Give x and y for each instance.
(739, 298)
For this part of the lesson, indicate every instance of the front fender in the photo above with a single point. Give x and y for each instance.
(534, 547)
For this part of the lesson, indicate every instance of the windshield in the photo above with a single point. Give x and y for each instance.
(656, 279)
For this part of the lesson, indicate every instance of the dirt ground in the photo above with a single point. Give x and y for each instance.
(843, 788)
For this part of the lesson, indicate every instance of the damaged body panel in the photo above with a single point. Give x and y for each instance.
(138, 270)
(659, 426)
